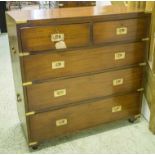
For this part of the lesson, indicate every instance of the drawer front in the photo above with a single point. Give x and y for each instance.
(45, 66)
(51, 37)
(60, 92)
(123, 30)
(60, 122)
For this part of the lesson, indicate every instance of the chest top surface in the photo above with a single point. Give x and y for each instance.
(24, 16)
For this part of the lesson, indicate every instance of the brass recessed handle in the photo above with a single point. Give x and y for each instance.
(121, 30)
(119, 55)
(58, 64)
(19, 99)
(61, 122)
(60, 92)
(57, 37)
(117, 108)
(117, 82)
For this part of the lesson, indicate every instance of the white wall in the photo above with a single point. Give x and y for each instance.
(103, 3)
(145, 109)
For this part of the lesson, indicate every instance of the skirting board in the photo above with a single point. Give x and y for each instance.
(145, 111)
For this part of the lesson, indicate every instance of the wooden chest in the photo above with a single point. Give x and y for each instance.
(76, 68)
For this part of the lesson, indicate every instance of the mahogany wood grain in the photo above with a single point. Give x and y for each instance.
(39, 38)
(43, 125)
(41, 96)
(89, 67)
(105, 32)
(39, 67)
(54, 15)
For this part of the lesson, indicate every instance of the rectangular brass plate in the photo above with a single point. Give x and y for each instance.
(116, 108)
(60, 92)
(117, 82)
(58, 64)
(61, 122)
(119, 55)
(57, 37)
(121, 30)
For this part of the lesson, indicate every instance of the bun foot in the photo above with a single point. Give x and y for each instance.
(35, 147)
(132, 120)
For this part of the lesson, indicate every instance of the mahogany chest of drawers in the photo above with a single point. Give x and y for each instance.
(76, 68)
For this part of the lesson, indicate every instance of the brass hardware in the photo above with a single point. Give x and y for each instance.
(60, 92)
(146, 39)
(58, 64)
(121, 30)
(117, 108)
(27, 83)
(30, 113)
(19, 99)
(57, 37)
(137, 116)
(13, 50)
(33, 143)
(142, 64)
(24, 54)
(148, 11)
(117, 82)
(61, 122)
(21, 22)
(140, 89)
(119, 55)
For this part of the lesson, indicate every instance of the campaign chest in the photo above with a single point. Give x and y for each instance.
(76, 68)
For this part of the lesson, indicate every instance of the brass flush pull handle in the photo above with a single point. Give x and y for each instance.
(57, 37)
(19, 99)
(119, 55)
(58, 64)
(60, 92)
(121, 30)
(117, 108)
(118, 82)
(61, 122)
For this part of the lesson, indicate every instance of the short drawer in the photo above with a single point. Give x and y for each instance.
(72, 63)
(67, 120)
(123, 30)
(50, 37)
(60, 92)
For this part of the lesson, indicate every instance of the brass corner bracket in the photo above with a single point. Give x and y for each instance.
(146, 39)
(27, 83)
(30, 113)
(137, 116)
(140, 89)
(33, 143)
(24, 54)
(142, 64)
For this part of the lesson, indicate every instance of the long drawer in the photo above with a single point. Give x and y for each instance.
(122, 30)
(71, 63)
(45, 38)
(60, 92)
(60, 122)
